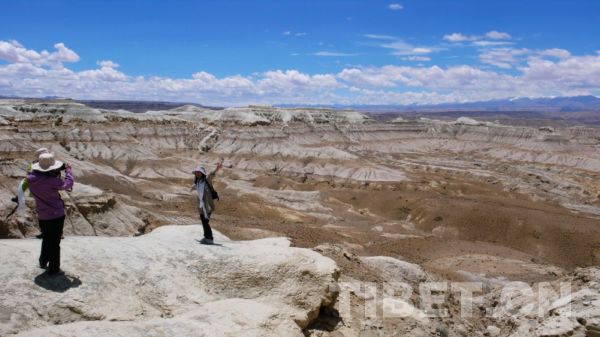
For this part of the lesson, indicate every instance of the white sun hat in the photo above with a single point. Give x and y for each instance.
(200, 169)
(46, 162)
(41, 150)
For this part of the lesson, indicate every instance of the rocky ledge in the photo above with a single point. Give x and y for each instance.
(164, 284)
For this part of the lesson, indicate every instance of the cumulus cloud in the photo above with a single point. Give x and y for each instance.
(366, 78)
(576, 75)
(13, 52)
(552, 72)
(496, 35)
(575, 72)
(433, 77)
(293, 81)
(395, 7)
(107, 64)
(107, 72)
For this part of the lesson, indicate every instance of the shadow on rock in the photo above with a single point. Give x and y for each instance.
(328, 320)
(210, 244)
(58, 283)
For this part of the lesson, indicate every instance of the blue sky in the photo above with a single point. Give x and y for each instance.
(368, 52)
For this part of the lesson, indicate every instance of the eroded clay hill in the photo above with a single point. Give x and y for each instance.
(464, 200)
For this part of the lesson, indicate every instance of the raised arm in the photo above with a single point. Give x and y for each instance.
(67, 183)
(212, 174)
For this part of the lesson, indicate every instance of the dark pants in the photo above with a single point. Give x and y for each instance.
(206, 227)
(52, 231)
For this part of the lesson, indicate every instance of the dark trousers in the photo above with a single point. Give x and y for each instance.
(52, 231)
(206, 227)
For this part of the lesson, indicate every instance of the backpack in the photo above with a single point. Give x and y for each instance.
(213, 193)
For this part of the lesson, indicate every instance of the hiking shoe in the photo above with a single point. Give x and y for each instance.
(206, 241)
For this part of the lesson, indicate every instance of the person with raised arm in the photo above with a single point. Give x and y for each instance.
(206, 197)
(44, 183)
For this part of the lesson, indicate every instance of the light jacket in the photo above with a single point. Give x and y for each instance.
(21, 190)
(44, 188)
(206, 203)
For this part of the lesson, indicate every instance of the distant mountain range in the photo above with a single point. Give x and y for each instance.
(576, 110)
(561, 110)
(557, 104)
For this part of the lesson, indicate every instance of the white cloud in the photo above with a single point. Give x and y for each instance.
(577, 75)
(401, 48)
(553, 72)
(496, 35)
(555, 52)
(504, 58)
(380, 37)
(395, 7)
(457, 37)
(12, 51)
(330, 53)
(62, 54)
(107, 64)
(416, 58)
(290, 33)
(480, 41)
(486, 43)
(294, 86)
(433, 77)
(575, 72)
(421, 50)
(366, 78)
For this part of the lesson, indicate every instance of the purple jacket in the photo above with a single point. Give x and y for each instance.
(44, 189)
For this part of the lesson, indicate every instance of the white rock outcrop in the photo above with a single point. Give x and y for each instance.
(569, 306)
(164, 284)
(394, 270)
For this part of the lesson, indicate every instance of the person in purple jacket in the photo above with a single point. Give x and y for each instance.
(44, 182)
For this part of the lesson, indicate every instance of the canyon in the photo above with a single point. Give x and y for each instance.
(313, 202)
